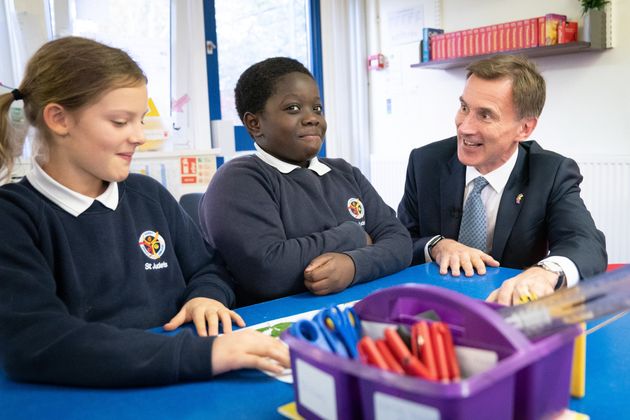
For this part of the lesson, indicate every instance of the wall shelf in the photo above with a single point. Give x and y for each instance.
(548, 50)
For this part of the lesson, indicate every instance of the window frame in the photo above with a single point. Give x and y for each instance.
(242, 140)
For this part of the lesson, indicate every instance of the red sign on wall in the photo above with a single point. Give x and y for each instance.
(188, 170)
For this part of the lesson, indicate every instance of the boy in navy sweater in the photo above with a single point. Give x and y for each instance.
(91, 257)
(284, 220)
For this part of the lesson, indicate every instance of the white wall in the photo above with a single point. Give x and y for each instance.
(586, 114)
(587, 109)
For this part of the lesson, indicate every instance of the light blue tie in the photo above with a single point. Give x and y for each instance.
(472, 231)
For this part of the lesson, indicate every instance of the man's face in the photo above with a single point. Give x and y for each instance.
(488, 127)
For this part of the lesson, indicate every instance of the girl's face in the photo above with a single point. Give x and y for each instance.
(100, 141)
(292, 125)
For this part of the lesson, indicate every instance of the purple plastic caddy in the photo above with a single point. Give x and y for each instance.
(530, 381)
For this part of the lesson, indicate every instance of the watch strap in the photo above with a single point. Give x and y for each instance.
(433, 242)
(555, 268)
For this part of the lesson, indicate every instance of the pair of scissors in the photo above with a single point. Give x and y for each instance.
(331, 329)
(307, 330)
(341, 329)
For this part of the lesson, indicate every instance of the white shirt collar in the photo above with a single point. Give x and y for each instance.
(497, 178)
(314, 165)
(71, 201)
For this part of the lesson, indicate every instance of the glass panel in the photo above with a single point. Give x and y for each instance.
(249, 31)
(140, 27)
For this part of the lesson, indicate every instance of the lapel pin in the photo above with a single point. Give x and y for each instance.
(519, 198)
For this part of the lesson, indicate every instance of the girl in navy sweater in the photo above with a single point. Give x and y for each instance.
(90, 256)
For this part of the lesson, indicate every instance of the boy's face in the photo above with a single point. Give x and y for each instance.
(292, 125)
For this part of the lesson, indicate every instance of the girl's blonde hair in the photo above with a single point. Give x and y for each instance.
(72, 72)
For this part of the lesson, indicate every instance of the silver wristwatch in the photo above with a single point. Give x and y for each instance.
(433, 242)
(556, 269)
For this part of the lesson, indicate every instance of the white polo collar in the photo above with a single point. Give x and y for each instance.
(71, 201)
(314, 165)
(499, 177)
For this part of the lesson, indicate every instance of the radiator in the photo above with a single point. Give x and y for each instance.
(605, 190)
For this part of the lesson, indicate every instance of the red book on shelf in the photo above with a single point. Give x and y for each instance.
(469, 41)
(552, 23)
(502, 37)
(437, 47)
(571, 29)
(567, 32)
(494, 40)
(483, 49)
(507, 44)
(533, 32)
(476, 44)
(522, 24)
(433, 52)
(488, 48)
(541, 31)
(514, 35)
(449, 45)
(459, 50)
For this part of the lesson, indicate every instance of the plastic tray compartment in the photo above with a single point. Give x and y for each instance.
(530, 381)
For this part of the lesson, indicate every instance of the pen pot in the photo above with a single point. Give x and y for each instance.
(529, 381)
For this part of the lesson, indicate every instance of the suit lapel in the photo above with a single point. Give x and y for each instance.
(451, 196)
(510, 206)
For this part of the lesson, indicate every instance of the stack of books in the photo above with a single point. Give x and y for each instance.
(540, 31)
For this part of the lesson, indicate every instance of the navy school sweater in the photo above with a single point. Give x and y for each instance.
(78, 293)
(268, 225)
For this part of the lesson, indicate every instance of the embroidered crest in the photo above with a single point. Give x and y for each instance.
(355, 208)
(152, 244)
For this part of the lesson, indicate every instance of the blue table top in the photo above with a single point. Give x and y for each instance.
(251, 394)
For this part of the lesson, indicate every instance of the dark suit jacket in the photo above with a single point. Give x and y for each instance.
(550, 216)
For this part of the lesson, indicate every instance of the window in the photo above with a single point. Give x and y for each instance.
(246, 32)
(166, 37)
(141, 28)
(249, 31)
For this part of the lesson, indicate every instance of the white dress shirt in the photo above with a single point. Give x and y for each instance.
(491, 198)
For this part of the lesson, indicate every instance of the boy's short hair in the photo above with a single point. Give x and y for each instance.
(257, 83)
(528, 86)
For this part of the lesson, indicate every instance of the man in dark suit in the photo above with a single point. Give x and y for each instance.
(526, 212)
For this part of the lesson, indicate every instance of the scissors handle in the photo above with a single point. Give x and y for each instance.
(309, 331)
(328, 324)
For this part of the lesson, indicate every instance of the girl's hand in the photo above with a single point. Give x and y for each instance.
(249, 349)
(205, 313)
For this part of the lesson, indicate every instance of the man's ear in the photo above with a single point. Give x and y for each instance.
(252, 123)
(526, 128)
(57, 119)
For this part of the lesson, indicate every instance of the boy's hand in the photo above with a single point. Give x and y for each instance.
(249, 349)
(206, 314)
(329, 273)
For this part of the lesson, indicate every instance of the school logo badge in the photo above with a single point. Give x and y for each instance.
(355, 208)
(152, 244)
